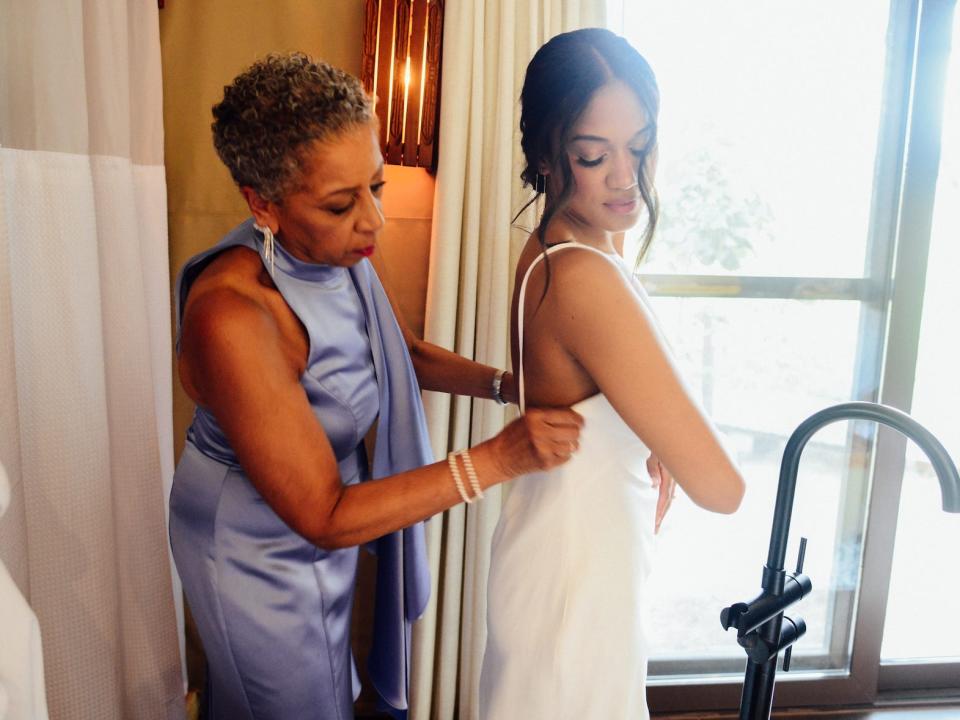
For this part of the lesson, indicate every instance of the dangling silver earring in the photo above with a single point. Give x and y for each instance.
(540, 186)
(267, 244)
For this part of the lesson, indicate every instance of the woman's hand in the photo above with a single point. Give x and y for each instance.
(541, 439)
(662, 479)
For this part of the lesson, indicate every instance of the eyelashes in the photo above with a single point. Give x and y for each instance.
(376, 190)
(594, 162)
(584, 162)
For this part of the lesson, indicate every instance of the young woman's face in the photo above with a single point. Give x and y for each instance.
(336, 215)
(608, 143)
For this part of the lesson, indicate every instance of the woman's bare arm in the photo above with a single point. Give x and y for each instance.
(606, 327)
(445, 371)
(442, 370)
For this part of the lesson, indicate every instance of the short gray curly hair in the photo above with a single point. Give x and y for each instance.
(272, 110)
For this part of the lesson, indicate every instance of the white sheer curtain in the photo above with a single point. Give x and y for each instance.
(486, 47)
(85, 385)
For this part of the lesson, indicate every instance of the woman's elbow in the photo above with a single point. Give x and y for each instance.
(331, 543)
(326, 537)
(417, 348)
(735, 488)
(419, 357)
(719, 493)
(323, 530)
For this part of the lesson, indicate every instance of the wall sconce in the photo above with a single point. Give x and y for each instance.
(401, 67)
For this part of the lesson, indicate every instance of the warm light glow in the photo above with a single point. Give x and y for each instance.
(423, 74)
(406, 98)
(399, 37)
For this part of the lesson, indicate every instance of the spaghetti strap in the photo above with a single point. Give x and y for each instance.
(520, 306)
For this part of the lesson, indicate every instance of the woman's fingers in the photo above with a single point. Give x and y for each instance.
(563, 430)
(653, 467)
(539, 440)
(564, 448)
(557, 417)
(668, 490)
(555, 433)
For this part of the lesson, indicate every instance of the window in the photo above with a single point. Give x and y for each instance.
(795, 159)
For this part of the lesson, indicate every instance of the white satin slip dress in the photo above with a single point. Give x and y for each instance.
(568, 584)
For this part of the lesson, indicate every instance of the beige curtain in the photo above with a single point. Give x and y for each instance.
(85, 428)
(487, 45)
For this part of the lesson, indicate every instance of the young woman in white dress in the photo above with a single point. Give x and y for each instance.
(572, 550)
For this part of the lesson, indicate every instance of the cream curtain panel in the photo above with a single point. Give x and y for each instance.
(85, 385)
(486, 47)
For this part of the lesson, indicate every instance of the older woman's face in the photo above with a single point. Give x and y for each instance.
(336, 216)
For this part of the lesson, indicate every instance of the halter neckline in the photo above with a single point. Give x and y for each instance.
(285, 262)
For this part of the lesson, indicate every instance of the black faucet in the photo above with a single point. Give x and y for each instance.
(762, 629)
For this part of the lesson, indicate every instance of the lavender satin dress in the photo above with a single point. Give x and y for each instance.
(273, 610)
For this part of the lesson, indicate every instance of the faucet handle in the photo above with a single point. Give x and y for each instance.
(791, 631)
(801, 555)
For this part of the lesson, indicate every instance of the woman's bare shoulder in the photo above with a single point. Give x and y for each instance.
(237, 268)
(577, 273)
(528, 253)
(235, 282)
(229, 311)
(565, 258)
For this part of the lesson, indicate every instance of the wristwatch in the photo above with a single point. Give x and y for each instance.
(497, 384)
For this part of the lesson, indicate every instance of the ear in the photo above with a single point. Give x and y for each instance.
(264, 211)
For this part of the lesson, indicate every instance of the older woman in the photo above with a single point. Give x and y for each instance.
(293, 353)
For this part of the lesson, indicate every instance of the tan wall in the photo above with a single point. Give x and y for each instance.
(204, 45)
(405, 240)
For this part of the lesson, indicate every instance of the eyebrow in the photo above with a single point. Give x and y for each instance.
(341, 191)
(597, 138)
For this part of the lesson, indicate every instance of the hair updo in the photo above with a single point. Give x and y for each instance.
(273, 110)
(560, 81)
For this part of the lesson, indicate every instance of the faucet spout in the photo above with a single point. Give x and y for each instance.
(883, 414)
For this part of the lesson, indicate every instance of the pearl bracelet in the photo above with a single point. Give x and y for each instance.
(471, 475)
(457, 479)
